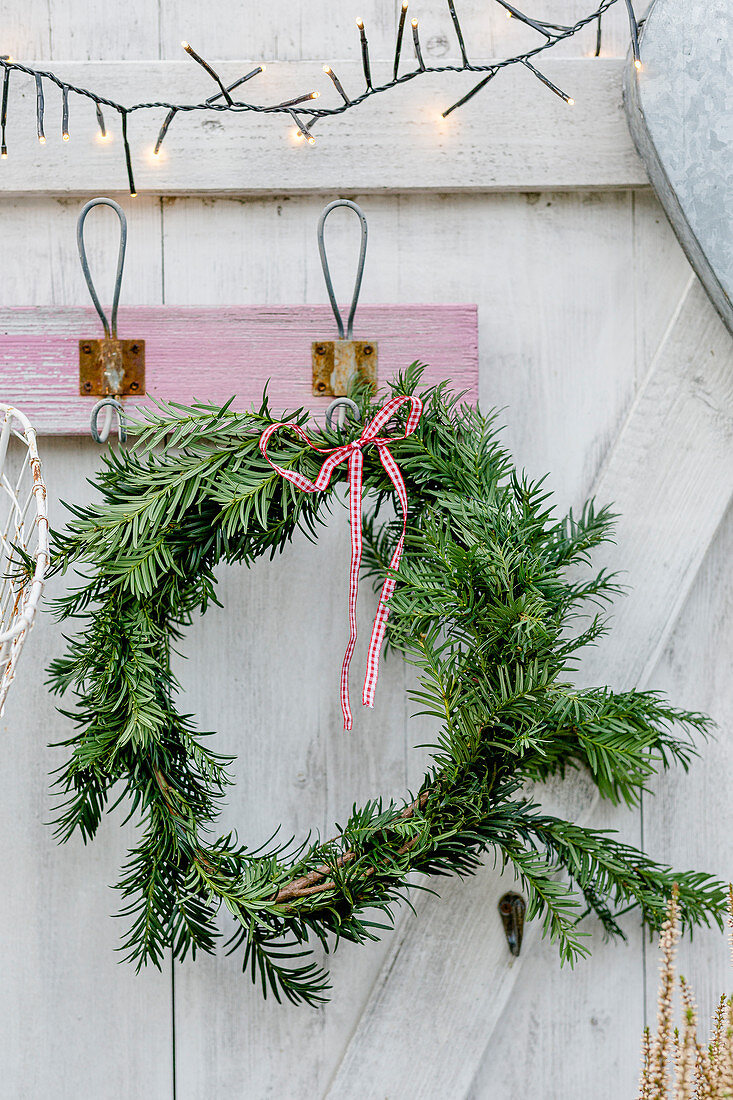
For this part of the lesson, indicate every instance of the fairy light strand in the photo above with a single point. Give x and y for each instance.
(4, 114)
(336, 83)
(222, 101)
(416, 44)
(207, 68)
(39, 109)
(398, 43)
(100, 122)
(548, 84)
(65, 114)
(366, 65)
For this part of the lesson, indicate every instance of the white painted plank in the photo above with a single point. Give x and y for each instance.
(670, 476)
(75, 1022)
(671, 472)
(689, 818)
(278, 30)
(409, 148)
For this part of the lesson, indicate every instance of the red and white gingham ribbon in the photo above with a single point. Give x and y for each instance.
(352, 453)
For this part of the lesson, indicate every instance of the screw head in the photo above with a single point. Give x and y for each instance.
(135, 348)
(134, 386)
(87, 387)
(321, 386)
(368, 349)
(86, 348)
(320, 349)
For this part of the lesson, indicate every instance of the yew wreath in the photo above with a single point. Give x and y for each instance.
(484, 606)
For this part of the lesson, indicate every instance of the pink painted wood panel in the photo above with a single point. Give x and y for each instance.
(208, 354)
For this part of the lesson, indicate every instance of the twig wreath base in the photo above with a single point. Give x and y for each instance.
(484, 607)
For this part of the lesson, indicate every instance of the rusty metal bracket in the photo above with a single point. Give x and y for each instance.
(512, 908)
(339, 363)
(111, 367)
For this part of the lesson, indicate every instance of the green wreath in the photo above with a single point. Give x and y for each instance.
(485, 609)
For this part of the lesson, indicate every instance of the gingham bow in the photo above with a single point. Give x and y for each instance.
(352, 453)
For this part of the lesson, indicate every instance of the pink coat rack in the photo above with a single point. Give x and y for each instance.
(208, 354)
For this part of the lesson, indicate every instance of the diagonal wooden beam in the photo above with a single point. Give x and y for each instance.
(448, 976)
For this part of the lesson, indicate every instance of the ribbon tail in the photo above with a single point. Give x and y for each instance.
(382, 615)
(356, 465)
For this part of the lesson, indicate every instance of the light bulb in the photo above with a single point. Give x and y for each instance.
(508, 15)
(310, 139)
(315, 95)
(42, 141)
(637, 64)
(414, 22)
(262, 68)
(570, 102)
(185, 45)
(360, 24)
(327, 68)
(66, 135)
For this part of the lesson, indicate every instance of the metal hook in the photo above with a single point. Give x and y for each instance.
(348, 405)
(103, 436)
(512, 908)
(110, 327)
(359, 269)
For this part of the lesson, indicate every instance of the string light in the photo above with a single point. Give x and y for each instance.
(207, 68)
(336, 83)
(365, 55)
(634, 31)
(416, 42)
(398, 44)
(548, 84)
(4, 114)
(65, 115)
(103, 135)
(39, 110)
(469, 95)
(302, 130)
(222, 100)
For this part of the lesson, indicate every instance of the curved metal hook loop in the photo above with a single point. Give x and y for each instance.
(348, 404)
(359, 269)
(103, 435)
(110, 327)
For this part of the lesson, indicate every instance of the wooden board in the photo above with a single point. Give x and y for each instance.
(409, 146)
(210, 354)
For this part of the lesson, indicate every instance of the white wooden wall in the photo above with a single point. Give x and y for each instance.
(576, 291)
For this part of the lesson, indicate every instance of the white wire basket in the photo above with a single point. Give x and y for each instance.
(24, 554)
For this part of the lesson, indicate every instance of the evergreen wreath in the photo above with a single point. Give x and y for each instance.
(484, 607)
